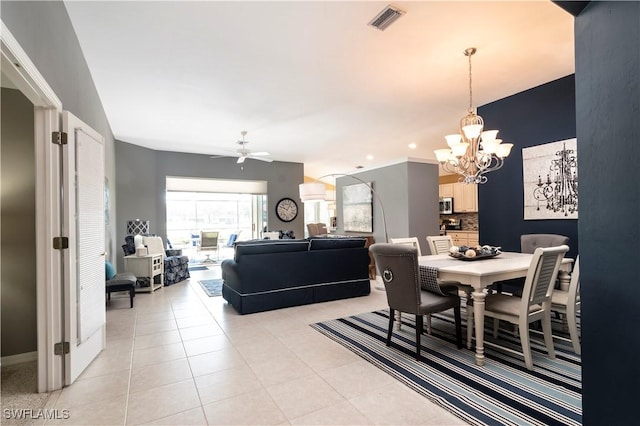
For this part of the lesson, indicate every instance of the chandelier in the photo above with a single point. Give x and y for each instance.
(473, 152)
(560, 192)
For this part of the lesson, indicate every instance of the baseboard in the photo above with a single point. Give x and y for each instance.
(19, 358)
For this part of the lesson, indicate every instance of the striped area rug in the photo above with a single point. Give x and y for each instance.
(503, 392)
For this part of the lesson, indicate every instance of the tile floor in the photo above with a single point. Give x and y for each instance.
(182, 358)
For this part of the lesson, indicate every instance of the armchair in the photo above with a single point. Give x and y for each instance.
(176, 266)
(209, 241)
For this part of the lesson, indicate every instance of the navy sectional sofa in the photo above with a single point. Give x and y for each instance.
(273, 274)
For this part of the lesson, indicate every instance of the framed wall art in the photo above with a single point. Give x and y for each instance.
(357, 208)
(550, 176)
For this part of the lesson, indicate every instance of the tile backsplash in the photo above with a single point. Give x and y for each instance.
(469, 221)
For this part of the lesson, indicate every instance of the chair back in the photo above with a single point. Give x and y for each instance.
(530, 242)
(410, 241)
(209, 239)
(439, 244)
(573, 297)
(398, 267)
(541, 277)
(232, 240)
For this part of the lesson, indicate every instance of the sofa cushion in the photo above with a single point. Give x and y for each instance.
(270, 246)
(109, 270)
(336, 243)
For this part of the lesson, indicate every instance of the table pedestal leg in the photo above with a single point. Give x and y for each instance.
(478, 315)
(565, 280)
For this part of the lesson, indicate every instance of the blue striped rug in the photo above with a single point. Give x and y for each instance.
(503, 392)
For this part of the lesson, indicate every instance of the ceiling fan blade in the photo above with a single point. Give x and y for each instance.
(241, 159)
(268, 160)
(260, 153)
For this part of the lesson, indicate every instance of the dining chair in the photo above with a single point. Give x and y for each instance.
(533, 305)
(568, 304)
(528, 244)
(398, 266)
(410, 241)
(440, 244)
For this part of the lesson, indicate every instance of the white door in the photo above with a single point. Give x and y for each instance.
(83, 264)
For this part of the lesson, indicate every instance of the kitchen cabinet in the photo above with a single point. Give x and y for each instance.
(445, 190)
(465, 198)
(464, 238)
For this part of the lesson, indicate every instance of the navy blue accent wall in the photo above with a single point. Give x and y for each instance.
(537, 116)
(608, 111)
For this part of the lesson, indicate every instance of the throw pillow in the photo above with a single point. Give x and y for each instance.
(110, 271)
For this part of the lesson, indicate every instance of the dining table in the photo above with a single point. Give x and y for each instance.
(480, 274)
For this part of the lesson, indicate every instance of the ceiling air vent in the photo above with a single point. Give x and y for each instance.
(387, 17)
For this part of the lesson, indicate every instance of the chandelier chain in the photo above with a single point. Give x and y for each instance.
(470, 86)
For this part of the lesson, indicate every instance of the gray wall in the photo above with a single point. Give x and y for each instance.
(141, 184)
(409, 192)
(18, 201)
(44, 31)
(608, 130)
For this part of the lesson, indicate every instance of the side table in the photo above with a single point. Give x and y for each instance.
(148, 266)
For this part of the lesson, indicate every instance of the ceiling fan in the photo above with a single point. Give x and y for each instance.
(243, 152)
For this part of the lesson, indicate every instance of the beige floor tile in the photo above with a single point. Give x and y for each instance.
(146, 317)
(396, 404)
(94, 389)
(108, 411)
(226, 384)
(303, 396)
(161, 402)
(342, 413)
(262, 348)
(201, 320)
(280, 369)
(253, 408)
(146, 378)
(324, 355)
(212, 362)
(356, 378)
(155, 327)
(120, 344)
(200, 331)
(108, 363)
(156, 339)
(194, 417)
(157, 355)
(194, 311)
(206, 344)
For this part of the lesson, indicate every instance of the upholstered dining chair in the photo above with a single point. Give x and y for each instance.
(398, 267)
(533, 305)
(568, 304)
(528, 244)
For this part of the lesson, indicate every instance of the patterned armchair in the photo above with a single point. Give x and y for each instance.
(176, 266)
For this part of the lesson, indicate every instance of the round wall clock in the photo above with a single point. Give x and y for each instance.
(286, 209)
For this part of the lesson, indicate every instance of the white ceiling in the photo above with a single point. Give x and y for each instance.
(310, 81)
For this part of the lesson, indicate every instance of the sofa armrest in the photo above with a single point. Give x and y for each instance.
(173, 252)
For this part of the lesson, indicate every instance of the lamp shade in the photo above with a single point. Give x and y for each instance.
(313, 191)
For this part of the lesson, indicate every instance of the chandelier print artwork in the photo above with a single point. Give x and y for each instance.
(550, 173)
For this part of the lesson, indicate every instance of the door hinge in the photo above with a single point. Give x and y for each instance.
(61, 348)
(59, 138)
(60, 243)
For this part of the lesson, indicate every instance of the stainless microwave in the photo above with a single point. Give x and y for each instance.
(446, 205)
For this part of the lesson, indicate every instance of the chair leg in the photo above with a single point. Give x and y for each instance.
(456, 313)
(526, 345)
(573, 332)
(548, 337)
(391, 315)
(419, 326)
(132, 294)
(429, 324)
